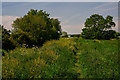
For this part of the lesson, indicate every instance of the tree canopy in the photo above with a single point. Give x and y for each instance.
(98, 27)
(7, 43)
(37, 27)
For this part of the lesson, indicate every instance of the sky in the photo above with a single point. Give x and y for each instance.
(60, 0)
(72, 15)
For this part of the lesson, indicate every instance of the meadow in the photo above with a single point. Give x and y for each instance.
(64, 58)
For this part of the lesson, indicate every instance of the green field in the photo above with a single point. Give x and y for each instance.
(64, 58)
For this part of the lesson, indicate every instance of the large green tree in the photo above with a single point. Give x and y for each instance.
(98, 27)
(38, 26)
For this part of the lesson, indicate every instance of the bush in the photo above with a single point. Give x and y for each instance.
(7, 43)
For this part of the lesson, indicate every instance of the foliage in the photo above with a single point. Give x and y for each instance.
(21, 38)
(64, 34)
(7, 43)
(65, 58)
(37, 26)
(96, 27)
(54, 60)
(0, 37)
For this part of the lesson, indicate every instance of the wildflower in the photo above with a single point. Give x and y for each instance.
(77, 56)
(76, 64)
(96, 40)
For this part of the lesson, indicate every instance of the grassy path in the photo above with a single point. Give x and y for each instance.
(97, 58)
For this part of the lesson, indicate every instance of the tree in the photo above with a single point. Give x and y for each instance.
(0, 37)
(96, 27)
(21, 38)
(38, 27)
(7, 43)
(64, 34)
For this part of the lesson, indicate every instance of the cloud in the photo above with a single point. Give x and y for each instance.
(72, 29)
(116, 27)
(7, 21)
(105, 7)
(56, 17)
(68, 20)
(0, 19)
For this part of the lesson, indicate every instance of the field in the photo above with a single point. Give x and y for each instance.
(64, 58)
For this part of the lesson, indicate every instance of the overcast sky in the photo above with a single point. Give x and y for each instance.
(71, 14)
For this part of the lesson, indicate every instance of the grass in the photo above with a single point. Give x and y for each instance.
(64, 58)
(54, 59)
(98, 59)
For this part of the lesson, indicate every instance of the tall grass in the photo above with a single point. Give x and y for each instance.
(54, 60)
(64, 58)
